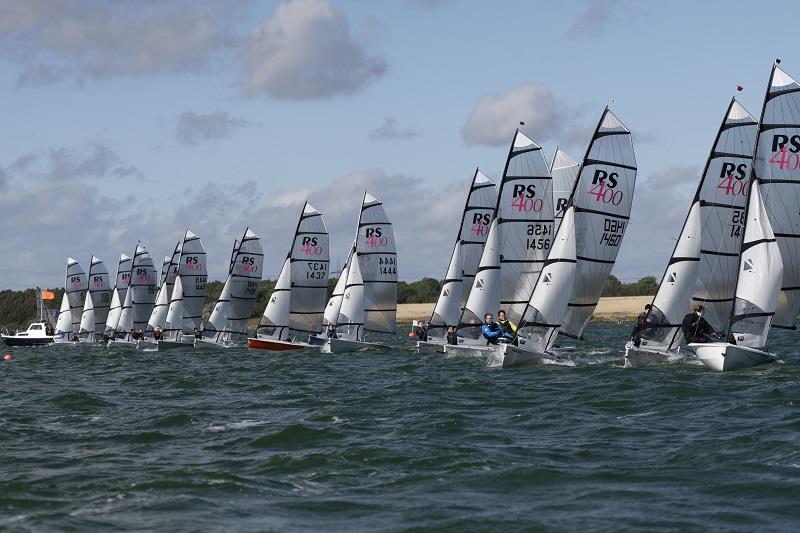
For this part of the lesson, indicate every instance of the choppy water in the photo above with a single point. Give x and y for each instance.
(246, 440)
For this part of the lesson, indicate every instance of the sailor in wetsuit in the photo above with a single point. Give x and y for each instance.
(641, 323)
(696, 328)
(509, 328)
(452, 335)
(492, 331)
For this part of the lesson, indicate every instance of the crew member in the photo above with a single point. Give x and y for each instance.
(509, 328)
(331, 331)
(696, 328)
(452, 336)
(492, 331)
(421, 329)
(641, 323)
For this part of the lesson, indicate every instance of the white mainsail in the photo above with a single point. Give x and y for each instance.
(547, 307)
(760, 274)
(298, 301)
(602, 198)
(703, 266)
(275, 321)
(173, 329)
(123, 275)
(564, 171)
(352, 316)
(485, 294)
(100, 289)
(376, 254)
(143, 287)
(472, 233)
(86, 331)
(193, 272)
(75, 286)
(64, 320)
(228, 321)
(777, 168)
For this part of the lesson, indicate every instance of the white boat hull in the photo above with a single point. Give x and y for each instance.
(467, 350)
(428, 347)
(724, 357)
(346, 345)
(641, 356)
(514, 356)
(172, 345)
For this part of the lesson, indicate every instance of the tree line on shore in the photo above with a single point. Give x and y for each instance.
(18, 308)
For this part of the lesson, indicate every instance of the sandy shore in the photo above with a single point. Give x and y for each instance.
(608, 309)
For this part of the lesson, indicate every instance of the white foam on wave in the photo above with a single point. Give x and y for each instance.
(242, 424)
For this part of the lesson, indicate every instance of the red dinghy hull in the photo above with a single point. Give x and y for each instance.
(274, 346)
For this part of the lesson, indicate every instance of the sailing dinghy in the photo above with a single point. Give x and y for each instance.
(768, 284)
(174, 335)
(519, 239)
(703, 267)
(471, 238)
(297, 303)
(227, 325)
(369, 301)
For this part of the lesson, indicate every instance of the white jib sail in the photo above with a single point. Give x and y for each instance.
(123, 276)
(777, 167)
(547, 307)
(143, 286)
(331, 314)
(158, 318)
(352, 316)
(75, 286)
(193, 272)
(485, 294)
(760, 276)
(173, 328)
(113, 313)
(602, 198)
(310, 258)
(447, 311)
(86, 330)
(228, 321)
(125, 322)
(564, 171)
(64, 320)
(472, 233)
(376, 254)
(705, 261)
(525, 223)
(100, 288)
(274, 323)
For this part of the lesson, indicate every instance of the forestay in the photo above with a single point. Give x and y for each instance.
(228, 321)
(602, 198)
(547, 307)
(704, 264)
(472, 233)
(777, 166)
(75, 286)
(100, 289)
(760, 274)
(377, 257)
(564, 171)
(142, 287)
(193, 271)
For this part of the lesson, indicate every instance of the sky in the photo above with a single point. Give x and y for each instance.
(128, 121)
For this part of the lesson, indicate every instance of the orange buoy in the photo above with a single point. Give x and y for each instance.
(7, 357)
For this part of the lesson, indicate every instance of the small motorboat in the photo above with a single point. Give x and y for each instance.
(35, 335)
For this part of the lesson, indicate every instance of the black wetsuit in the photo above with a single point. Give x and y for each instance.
(641, 320)
(696, 328)
(452, 338)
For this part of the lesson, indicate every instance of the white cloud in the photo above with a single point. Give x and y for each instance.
(82, 40)
(192, 129)
(495, 117)
(306, 51)
(388, 131)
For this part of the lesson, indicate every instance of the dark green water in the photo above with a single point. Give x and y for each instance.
(253, 441)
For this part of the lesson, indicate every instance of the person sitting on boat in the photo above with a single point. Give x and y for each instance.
(452, 336)
(421, 330)
(492, 331)
(641, 323)
(157, 333)
(48, 330)
(331, 332)
(509, 328)
(696, 328)
(198, 334)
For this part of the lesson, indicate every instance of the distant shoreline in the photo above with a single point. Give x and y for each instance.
(611, 309)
